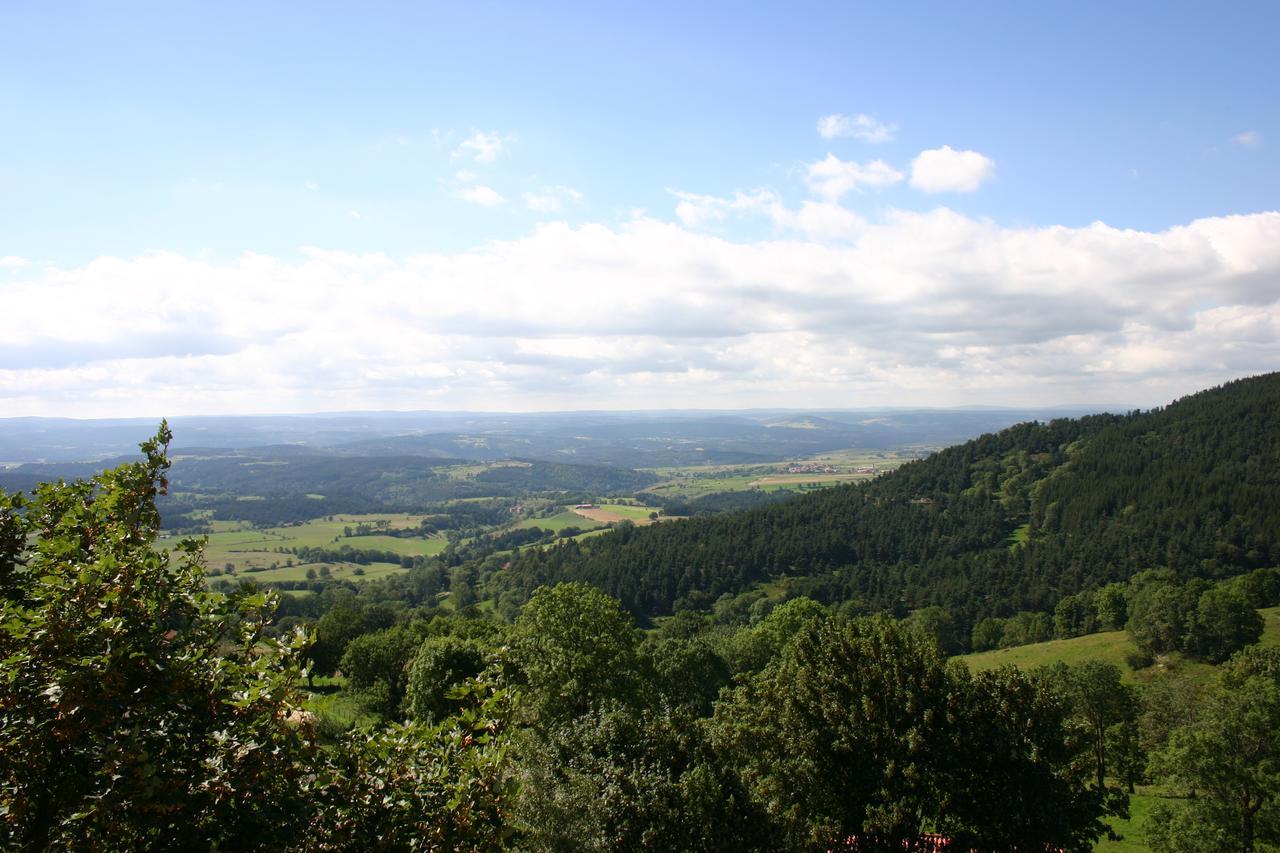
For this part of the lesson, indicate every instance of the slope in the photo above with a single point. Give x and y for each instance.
(1194, 486)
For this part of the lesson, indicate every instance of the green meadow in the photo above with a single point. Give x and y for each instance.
(1109, 647)
(244, 547)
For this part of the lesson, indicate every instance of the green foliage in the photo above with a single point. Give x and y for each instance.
(686, 672)
(1230, 757)
(1207, 622)
(753, 649)
(621, 779)
(138, 709)
(576, 648)
(347, 619)
(1223, 623)
(859, 728)
(415, 786)
(378, 663)
(438, 667)
(987, 634)
(937, 624)
(1189, 487)
(1158, 614)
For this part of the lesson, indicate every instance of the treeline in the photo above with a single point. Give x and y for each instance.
(1006, 523)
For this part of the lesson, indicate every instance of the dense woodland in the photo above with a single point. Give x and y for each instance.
(770, 678)
(1006, 523)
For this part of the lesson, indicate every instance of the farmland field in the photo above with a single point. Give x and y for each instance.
(338, 571)
(606, 513)
(559, 521)
(852, 465)
(244, 547)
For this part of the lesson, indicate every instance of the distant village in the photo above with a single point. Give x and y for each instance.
(818, 468)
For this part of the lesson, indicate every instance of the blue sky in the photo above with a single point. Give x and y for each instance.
(206, 135)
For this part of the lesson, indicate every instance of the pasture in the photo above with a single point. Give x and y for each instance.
(244, 547)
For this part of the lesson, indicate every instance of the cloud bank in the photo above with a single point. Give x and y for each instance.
(923, 308)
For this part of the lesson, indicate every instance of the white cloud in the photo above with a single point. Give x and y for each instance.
(832, 177)
(696, 210)
(552, 199)
(311, 185)
(930, 308)
(481, 195)
(864, 127)
(944, 169)
(13, 262)
(355, 214)
(1248, 139)
(481, 147)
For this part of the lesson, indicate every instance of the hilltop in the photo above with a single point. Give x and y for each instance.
(1011, 521)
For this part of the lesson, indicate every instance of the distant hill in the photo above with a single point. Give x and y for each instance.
(1009, 521)
(626, 439)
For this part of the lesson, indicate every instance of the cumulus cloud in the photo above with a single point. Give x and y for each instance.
(916, 308)
(945, 169)
(552, 199)
(833, 178)
(480, 146)
(481, 195)
(696, 210)
(862, 126)
(1248, 139)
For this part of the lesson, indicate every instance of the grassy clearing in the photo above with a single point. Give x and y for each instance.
(1132, 830)
(1109, 647)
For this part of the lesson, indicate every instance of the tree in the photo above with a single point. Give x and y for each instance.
(839, 735)
(438, 667)
(937, 624)
(1103, 702)
(575, 647)
(1015, 775)
(1158, 616)
(137, 709)
(618, 778)
(1230, 757)
(1222, 623)
(987, 634)
(377, 665)
(415, 786)
(1111, 606)
(861, 729)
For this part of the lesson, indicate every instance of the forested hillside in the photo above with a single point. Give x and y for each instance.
(1007, 522)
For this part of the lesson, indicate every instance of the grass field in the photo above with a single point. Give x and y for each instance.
(1110, 647)
(338, 571)
(559, 521)
(693, 481)
(1131, 830)
(244, 547)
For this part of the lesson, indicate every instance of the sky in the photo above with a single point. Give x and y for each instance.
(293, 207)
